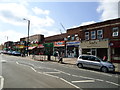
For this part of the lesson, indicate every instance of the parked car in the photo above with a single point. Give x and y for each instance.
(16, 53)
(9, 52)
(94, 62)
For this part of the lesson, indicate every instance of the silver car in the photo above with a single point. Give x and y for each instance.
(91, 61)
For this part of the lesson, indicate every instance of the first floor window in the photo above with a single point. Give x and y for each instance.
(99, 34)
(93, 35)
(115, 31)
(86, 35)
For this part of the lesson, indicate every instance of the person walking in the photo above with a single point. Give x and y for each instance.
(60, 59)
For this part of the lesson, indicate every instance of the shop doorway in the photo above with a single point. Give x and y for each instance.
(101, 52)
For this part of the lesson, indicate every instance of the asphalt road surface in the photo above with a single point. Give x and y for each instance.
(21, 72)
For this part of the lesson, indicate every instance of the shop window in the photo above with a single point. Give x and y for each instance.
(86, 35)
(115, 31)
(100, 34)
(93, 35)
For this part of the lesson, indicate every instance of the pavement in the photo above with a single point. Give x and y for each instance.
(69, 61)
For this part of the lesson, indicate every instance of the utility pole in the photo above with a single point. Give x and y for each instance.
(28, 35)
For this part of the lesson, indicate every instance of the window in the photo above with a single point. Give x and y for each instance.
(100, 34)
(68, 38)
(86, 35)
(115, 31)
(93, 35)
(73, 37)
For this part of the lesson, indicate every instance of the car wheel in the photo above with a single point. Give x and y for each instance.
(80, 65)
(104, 69)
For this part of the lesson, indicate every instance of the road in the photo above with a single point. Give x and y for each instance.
(20, 72)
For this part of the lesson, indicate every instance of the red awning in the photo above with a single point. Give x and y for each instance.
(30, 48)
(40, 46)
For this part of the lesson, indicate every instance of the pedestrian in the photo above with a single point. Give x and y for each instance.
(105, 58)
(60, 59)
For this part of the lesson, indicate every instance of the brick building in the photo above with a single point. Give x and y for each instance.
(8, 45)
(34, 45)
(73, 42)
(55, 43)
(102, 39)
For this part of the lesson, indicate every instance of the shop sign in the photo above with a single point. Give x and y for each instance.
(60, 43)
(95, 44)
(21, 46)
(114, 43)
(72, 43)
(48, 44)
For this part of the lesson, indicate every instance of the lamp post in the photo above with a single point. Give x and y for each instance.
(28, 33)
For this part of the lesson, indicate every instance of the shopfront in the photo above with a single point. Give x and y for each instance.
(59, 47)
(48, 48)
(96, 47)
(115, 51)
(73, 48)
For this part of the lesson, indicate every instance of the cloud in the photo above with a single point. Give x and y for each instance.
(11, 34)
(12, 14)
(87, 23)
(39, 11)
(84, 23)
(108, 9)
(45, 32)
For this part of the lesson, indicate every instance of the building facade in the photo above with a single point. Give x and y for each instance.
(56, 43)
(73, 42)
(102, 39)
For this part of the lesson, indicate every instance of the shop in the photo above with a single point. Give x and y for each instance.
(115, 51)
(60, 47)
(95, 47)
(40, 47)
(32, 49)
(48, 48)
(73, 49)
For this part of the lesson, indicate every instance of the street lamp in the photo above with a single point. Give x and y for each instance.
(28, 33)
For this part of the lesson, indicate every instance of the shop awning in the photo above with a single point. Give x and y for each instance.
(30, 48)
(40, 46)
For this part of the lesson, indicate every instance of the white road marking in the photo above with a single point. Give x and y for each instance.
(1, 83)
(3, 60)
(33, 69)
(50, 75)
(63, 72)
(69, 83)
(83, 81)
(113, 83)
(27, 66)
(52, 72)
(101, 73)
(82, 77)
(99, 80)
